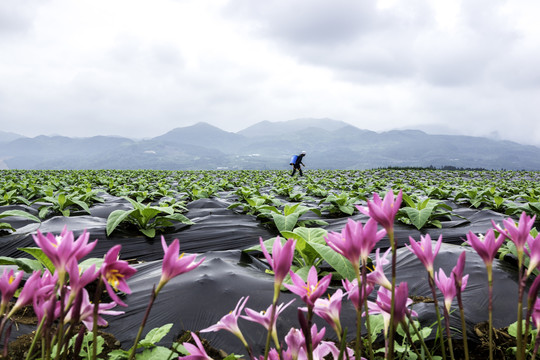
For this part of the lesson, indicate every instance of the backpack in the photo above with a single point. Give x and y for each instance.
(293, 159)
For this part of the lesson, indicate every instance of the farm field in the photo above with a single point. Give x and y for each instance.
(220, 214)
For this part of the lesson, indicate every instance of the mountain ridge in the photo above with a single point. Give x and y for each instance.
(330, 144)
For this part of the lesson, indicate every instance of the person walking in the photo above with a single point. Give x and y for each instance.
(297, 163)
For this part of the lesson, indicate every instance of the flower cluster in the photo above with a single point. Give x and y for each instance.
(59, 296)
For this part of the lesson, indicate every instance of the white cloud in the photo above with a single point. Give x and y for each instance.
(139, 68)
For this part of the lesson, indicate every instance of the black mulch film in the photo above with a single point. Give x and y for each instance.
(198, 299)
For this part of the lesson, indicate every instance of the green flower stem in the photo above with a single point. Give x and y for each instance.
(390, 353)
(309, 340)
(143, 323)
(463, 325)
(97, 299)
(490, 311)
(277, 289)
(437, 312)
(424, 346)
(409, 338)
(520, 354)
(358, 354)
(448, 335)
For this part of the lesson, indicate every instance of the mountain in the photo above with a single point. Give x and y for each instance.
(280, 128)
(329, 144)
(8, 136)
(205, 135)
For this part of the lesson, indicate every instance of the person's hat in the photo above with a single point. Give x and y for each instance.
(303, 152)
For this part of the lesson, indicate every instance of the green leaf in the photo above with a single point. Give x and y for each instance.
(20, 213)
(155, 335)
(418, 217)
(39, 255)
(180, 218)
(335, 260)
(84, 265)
(157, 353)
(26, 265)
(151, 233)
(115, 218)
(285, 222)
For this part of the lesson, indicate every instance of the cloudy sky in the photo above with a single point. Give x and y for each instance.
(141, 68)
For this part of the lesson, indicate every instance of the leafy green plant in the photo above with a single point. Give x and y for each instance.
(150, 349)
(339, 204)
(7, 213)
(423, 213)
(147, 218)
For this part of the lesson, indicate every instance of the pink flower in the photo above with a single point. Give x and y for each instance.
(353, 293)
(229, 322)
(263, 317)
(536, 314)
(487, 247)
(62, 249)
(115, 272)
(355, 241)
(27, 292)
(196, 352)
(457, 271)
(424, 252)
(78, 281)
(533, 252)
(519, 233)
(175, 264)
(329, 310)
(447, 286)
(295, 341)
(86, 314)
(281, 258)
(9, 282)
(383, 304)
(312, 289)
(377, 276)
(383, 211)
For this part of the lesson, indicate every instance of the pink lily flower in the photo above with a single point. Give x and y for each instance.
(487, 247)
(229, 322)
(329, 310)
(424, 251)
(383, 305)
(312, 289)
(86, 314)
(115, 272)
(78, 281)
(355, 241)
(533, 252)
(322, 351)
(281, 258)
(295, 341)
(175, 264)
(263, 317)
(27, 293)
(383, 211)
(457, 271)
(447, 286)
(62, 249)
(536, 314)
(353, 294)
(377, 276)
(519, 234)
(196, 352)
(9, 282)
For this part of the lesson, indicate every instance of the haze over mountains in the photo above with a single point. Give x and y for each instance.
(330, 144)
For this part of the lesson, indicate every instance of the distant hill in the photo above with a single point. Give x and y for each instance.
(330, 144)
(8, 136)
